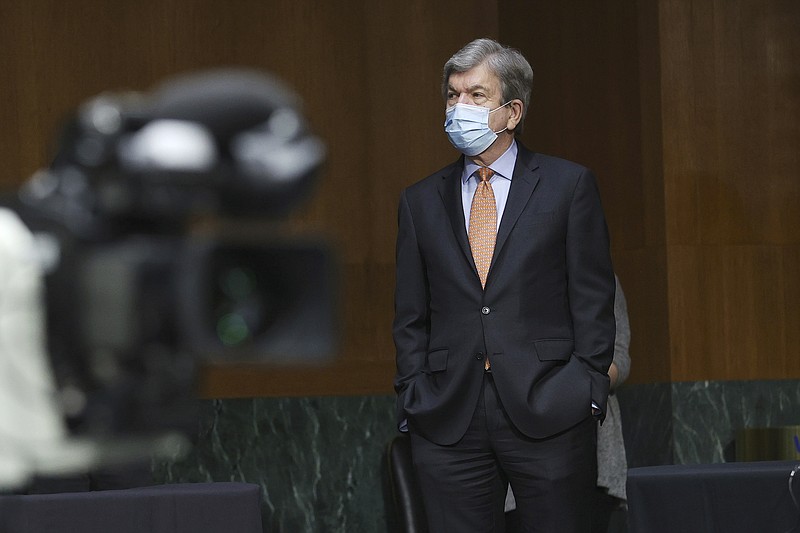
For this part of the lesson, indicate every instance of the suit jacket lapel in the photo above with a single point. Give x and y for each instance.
(450, 191)
(523, 182)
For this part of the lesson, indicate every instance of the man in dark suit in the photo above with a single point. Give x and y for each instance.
(504, 338)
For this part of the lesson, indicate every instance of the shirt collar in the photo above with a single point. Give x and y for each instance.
(503, 165)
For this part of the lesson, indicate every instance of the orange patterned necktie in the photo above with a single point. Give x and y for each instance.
(483, 223)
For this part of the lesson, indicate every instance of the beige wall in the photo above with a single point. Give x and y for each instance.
(687, 111)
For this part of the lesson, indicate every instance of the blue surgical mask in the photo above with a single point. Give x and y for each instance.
(467, 127)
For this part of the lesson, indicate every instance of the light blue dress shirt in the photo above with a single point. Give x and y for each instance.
(503, 169)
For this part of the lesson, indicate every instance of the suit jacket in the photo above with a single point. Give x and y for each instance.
(545, 317)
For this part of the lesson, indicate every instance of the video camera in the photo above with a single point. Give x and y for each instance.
(160, 230)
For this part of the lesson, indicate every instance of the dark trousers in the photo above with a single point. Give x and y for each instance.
(463, 485)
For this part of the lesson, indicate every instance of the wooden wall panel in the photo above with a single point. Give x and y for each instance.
(642, 266)
(734, 312)
(688, 111)
(403, 51)
(368, 73)
(731, 123)
(596, 101)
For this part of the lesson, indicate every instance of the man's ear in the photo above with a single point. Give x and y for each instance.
(515, 118)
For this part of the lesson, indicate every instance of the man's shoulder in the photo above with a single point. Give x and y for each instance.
(554, 163)
(434, 179)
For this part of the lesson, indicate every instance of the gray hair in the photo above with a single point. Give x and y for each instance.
(508, 64)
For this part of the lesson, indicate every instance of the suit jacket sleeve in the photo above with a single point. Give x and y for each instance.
(411, 322)
(591, 285)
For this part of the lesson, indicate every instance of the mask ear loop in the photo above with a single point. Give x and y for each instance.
(495, 109)
(500, 107)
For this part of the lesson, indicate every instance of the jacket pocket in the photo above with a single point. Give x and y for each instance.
(554, 349)
(437, 361)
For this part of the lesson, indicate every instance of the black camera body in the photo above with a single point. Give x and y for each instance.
(159, 227)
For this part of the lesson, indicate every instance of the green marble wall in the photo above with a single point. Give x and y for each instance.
(319, 461)
(707, 415)
(696, 422)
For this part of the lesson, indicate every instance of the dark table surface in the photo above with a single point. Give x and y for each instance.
(726, 497)
(174, 508)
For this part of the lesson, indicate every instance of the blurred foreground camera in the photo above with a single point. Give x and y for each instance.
(159, 229)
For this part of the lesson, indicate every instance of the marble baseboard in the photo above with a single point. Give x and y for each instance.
(696, 422)
(707, 415)
(319, 461)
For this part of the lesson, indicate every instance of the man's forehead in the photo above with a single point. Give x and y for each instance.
(475, 78)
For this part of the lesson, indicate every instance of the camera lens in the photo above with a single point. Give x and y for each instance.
(244, 309)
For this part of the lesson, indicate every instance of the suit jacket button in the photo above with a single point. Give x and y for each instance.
(479, 356)
(485, 310)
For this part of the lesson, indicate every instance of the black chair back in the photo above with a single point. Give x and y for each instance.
(405, 502)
